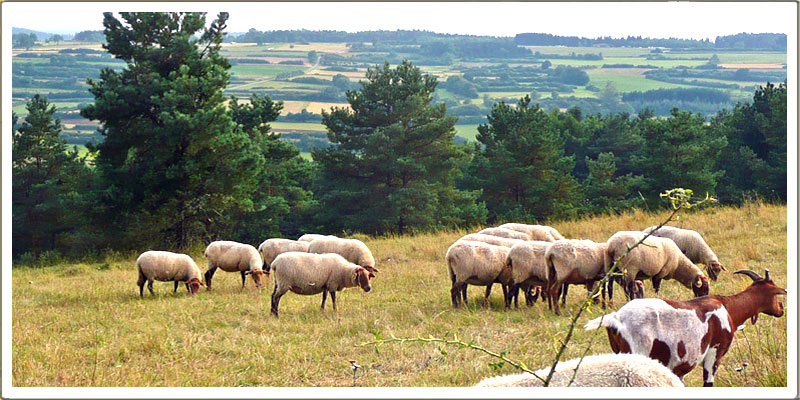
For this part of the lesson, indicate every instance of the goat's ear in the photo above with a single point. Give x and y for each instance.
(753, 319)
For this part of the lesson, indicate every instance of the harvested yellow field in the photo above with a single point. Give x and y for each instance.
(316, 106)
(320, 47)
(752, 66)
(321, 73)
(294, 106)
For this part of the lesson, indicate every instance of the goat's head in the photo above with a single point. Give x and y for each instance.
(194, 285)
(700, 286)
(361, 277)
(256, 274)
(767, 294)
(714, 268)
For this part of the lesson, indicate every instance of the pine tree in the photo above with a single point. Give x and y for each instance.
(520, 165)
(605, 190)
(393, 163)
(48, 181)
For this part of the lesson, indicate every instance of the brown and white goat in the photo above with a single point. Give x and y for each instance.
(683, 334)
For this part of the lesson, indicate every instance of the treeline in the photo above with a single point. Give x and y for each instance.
(749, 41)
(755, 41)
(198, 170)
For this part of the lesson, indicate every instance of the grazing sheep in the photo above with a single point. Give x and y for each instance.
(505, 233)
(657, 258)
(309, 274)
(604, 370)
(685, 334)
(352, 250)
(166, 266)
(574, 262)
(270, 249)
(308, 237)
(495, 240)
(528, 269)
(477, 263)
(536, 232)
(234, 257)
(693, 246)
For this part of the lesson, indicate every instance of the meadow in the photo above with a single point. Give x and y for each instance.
(83, 323)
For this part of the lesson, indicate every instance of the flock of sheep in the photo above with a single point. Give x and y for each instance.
(536, 260)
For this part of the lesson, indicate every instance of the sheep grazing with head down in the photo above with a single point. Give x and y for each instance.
(234, 257)
(536, 232)
(477, 263)
(574, 262)
(352, 250)
(505, 233)
(167, 266)
(310, 274)
(308, 237)
(656, 258)
(604, 370)
(495, 240)
(528, 270)
(693, 246)
(270, 249)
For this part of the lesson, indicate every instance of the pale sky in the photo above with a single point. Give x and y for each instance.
(657, 20)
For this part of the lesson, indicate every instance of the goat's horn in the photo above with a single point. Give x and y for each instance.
(754, 276)
(766, 274)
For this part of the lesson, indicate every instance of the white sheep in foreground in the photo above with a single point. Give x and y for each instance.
(693, 246)
(495, 240)
(270, 249)
(477, 263)
(308, 237)
(352, 250)
(309, 274)
(234, 257)
(505, 233)
(656, 258)
(604, 370)
(574, 262)
(528, 269)
(167, 266)
(536, 232)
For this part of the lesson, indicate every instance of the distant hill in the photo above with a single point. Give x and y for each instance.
(67, 35)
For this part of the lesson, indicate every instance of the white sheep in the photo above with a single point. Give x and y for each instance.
(352, 250)
(234, 257)
(167, 266)
(536, 232)
(309, 274)
(693, 246)
(505, 233)
(656, 258)
(477, 263)
(270, 248)
(308, 237)
(574, 262)
(603, 370)
(495, 240)
(528, 269)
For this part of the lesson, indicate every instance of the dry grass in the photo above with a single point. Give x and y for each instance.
(84, 324)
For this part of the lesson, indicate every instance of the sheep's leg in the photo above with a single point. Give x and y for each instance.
(656, 284)
(244, 278)
(187, 287)
(486, 296)
(150, 286)
(513, 294)
(603, 294)
(140, 282)
(333, 299)
(506, 293)
(208, 275)
(175, 290)
(276, 299)
(464, 294)
(324, 297)
(455, 293)
(564, 296)
(555, 292)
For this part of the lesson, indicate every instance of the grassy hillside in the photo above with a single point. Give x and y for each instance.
(83, 324)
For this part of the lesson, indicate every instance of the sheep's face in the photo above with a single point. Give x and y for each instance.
(361, 276)
(714, 268)
(700, 286)
(194, 285)
(256, 274)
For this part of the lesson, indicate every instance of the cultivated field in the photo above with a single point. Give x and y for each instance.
(83, 324)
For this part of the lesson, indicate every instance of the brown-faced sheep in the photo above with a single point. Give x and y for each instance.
(574, 262)
(234, 257)
(352, 250)
(536, 232)
(477, 263)
(166, 266)
(656, 258)
(603, 370)
(309, 274)
(270, 249)
(693, 246)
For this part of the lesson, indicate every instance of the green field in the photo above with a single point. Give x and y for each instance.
(300, 126)
(83, 324)
(264, 70)
(628, 83)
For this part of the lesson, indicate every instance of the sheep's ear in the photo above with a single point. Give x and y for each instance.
(698, 282)
(248, 272)
(370, 275)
